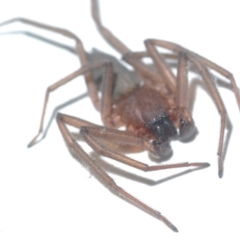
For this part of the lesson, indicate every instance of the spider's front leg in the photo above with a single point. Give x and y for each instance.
(98, 172)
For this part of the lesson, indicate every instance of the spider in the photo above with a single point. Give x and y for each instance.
(151, 102)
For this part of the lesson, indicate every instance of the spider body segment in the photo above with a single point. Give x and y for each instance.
(150, 102)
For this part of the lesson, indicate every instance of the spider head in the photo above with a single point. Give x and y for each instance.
(163, 130)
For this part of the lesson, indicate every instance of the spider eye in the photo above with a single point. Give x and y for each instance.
(162, 128)
(163, 149)
(187, 130)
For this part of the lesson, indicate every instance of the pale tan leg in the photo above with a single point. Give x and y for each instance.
(203, 71)
(182, 82)
(185, 121)
(133, 59)
(182, 103)
(107, 35)
(123, 49)
(92, 90)
(106, 99)
(86, 68)
(205, 62)
(163, 69)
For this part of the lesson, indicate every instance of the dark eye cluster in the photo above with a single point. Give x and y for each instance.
(163, 128)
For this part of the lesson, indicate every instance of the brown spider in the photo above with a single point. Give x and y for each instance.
(152, 103)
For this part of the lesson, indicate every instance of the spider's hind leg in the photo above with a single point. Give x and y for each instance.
(83, 70)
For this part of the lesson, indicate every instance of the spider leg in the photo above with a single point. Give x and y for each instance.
(97, 137)
(108, 36)
(224, 73)
(116, 43)
(182, 82)
(185, 121)
(92, 89)
(182, 97)
(155, 79)
(205, 62)
(104, 178)
(106, 99)
(203, 71)
(83, 70)
(163, 69)
(131, 59)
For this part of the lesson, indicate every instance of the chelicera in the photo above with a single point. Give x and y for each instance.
(151, 102)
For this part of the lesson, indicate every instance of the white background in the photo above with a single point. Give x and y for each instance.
(45, 193)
